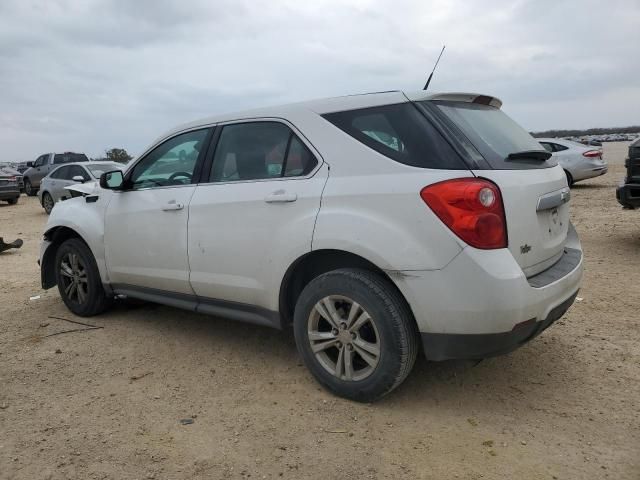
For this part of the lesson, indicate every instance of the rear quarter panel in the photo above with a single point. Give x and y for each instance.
(371, 205)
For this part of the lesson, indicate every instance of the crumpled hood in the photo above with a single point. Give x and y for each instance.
(86, 188)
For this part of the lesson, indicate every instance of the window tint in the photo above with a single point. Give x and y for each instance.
(60, 173)
(558, 148)
(69, 157)
(171, 163)
(492, 132)
(401, 133)
(300, 161)
(547, 146)
(259, 150)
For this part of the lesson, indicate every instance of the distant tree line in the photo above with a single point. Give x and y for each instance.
(115, 155)
(589, 131)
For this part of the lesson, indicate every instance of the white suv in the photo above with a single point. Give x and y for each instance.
(374, 224)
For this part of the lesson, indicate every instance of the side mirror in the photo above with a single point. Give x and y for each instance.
(112, 180)
(29, 164)
(78, 178)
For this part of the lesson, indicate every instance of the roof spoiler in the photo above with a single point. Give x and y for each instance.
(456, 97)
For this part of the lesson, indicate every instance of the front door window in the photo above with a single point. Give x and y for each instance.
(172, 163)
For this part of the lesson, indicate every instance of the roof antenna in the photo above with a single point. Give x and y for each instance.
(426, 85)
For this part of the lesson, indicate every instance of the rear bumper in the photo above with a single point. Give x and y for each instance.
(444, 346)
(584, 172)
(9, 192)
(482, 304)
(628, 195)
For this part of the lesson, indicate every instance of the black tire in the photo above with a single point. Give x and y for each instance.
(29, 189)
(12, 201)
(47, 202)
(390, 319)
(93, 300)
(569, 178)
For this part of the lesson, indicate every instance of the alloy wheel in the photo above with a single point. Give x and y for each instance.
(74, 278)
(344, 338)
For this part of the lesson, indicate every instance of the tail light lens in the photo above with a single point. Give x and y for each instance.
(592, 154)
(472, 208)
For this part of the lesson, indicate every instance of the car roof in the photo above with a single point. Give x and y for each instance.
(335, 104)
(565, 142)
(85, 164)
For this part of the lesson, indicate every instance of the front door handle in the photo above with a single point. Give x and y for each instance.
(280, 196)
(172, 205)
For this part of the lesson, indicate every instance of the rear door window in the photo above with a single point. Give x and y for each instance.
(492, 132)
(399, 132)
(258, 151)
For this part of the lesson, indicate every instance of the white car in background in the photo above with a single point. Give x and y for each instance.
(371, 224)
(53, 186)
(579, 161)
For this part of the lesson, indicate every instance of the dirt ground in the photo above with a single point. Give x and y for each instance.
(107, 403)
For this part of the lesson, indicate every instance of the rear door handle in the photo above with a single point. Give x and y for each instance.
(172, 205)
(280, 196)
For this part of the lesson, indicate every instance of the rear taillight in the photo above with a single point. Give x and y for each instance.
(12, 179)
(472, 208)
(592, 154)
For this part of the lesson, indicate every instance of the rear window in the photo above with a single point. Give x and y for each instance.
(59, 158)
(401, 133)
(492, 132)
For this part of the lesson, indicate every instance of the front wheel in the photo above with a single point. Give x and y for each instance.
(79, 280)
(355, 333)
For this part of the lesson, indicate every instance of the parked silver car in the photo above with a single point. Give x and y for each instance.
(578, 161)
(45, 164)
(52, 187)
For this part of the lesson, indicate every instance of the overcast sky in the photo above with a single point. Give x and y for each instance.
(88, 75)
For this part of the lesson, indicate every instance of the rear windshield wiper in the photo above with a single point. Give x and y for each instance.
(538, 155)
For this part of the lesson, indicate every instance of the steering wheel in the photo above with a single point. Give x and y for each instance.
(180, 174)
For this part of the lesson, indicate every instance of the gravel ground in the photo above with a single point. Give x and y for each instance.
(107, 403)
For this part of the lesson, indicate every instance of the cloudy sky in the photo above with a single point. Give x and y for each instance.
(88, 75)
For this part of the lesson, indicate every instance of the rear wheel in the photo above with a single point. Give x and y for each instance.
(28, 188)
(47, 202)
(79, 280)
(355, 333)
(569, 178)
(12, 201)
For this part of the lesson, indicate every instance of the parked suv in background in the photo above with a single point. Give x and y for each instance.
(628, 193)
(43, 165)
(580, 162)
(371, 223)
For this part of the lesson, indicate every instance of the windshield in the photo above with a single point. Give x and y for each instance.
(98, 169)
(493, 133)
